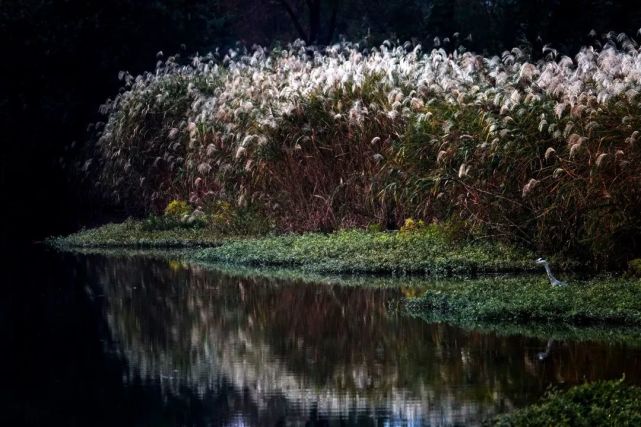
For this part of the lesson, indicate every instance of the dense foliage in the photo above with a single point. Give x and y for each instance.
(64, 56)
(544, 153)
(604, 403)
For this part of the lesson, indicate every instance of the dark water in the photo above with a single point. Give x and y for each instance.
(97, 340)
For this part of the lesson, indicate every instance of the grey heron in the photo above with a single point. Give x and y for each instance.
(553, 280)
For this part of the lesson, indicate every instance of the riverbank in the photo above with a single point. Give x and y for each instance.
(134, 234)
(426, 252)
(526, 300)
(604, 403)
(422, 259)
(190, 290)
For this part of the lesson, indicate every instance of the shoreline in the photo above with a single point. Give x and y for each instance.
(601, 309)
(455, 283)
(611, 402)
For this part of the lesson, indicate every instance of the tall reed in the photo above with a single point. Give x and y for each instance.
(543, 153)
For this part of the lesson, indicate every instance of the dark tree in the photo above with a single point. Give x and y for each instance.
(61, 61)
(442, 18)
(321, 19)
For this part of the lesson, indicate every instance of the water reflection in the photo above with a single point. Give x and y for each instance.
(286, 351)
(548, 349)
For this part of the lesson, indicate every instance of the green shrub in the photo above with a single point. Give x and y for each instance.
(177, 209)
(413, 226)
(524, 300)
(356, 251)
(604, 403)
(374, 228)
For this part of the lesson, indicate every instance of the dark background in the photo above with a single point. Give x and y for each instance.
(60, 60)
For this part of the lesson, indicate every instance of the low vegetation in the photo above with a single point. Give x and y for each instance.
(604, 403)
(181, 225)
(422, 255)
(515, 300)
(138, 234)
(358, 251)
(602, 309)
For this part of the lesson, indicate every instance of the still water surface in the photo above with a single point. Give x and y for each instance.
(134, 340)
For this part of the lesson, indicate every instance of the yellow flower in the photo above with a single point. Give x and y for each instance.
(177, 208)
(411, 225)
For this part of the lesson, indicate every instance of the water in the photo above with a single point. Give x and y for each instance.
(122, 340)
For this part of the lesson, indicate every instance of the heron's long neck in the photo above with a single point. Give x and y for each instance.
(548, 271)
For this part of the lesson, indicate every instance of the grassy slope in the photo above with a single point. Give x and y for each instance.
(605, 403)
(131, 233)
(370, 252)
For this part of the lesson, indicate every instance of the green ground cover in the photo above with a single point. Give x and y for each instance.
(605, 403)
(135, 234)
(416, 261)
(517, 305)
(521, 300)
(356, 251)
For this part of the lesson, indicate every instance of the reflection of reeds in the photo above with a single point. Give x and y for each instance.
(542, 152)
(328, 347)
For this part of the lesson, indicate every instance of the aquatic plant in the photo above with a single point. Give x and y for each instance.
(600, 403)
(528, 300)
(154, 232)
(542, 153)
(356, 251)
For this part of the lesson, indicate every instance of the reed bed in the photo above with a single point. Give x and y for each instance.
(545, 154)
